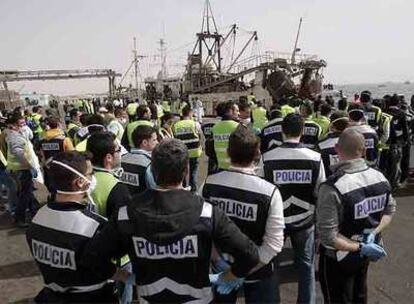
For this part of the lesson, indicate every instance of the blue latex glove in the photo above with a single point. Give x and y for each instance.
(229, 286)
(225, 286)
(33, 172)
(214, 278)
(220, 266)
(370, 238)
(373, 251)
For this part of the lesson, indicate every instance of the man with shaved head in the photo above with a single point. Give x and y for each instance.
(354, 206)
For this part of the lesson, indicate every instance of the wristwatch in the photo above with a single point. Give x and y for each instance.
(360, 246)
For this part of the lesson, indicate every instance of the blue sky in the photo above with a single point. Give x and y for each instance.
(362, 41)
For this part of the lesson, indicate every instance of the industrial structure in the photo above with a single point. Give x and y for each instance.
(12, 76)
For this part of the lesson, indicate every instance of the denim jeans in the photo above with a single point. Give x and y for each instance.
(303, 244)
(263, 291)
(25, 196)
(193, 173)
(10, 183)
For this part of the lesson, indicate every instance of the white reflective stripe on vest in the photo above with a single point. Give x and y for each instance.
(298, 217)
(221, 149)
(189, 141)
(274, 142)
(201, 295)
(293, 200)
(310, 209)
(75, 289)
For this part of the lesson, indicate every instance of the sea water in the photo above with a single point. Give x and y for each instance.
(378, 90)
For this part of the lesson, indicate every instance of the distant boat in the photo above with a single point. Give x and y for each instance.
(382, 85)
(407, 82)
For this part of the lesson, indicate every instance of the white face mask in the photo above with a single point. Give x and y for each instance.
(246, 121)
(92, 182)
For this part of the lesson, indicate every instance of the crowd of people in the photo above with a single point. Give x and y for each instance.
(125, 207)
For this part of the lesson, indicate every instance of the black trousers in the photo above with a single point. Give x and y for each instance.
(405, 162)
(390, 164)
(339, 285)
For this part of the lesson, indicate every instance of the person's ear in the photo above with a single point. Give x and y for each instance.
(78, 183)
(108, 159)
(257, 154)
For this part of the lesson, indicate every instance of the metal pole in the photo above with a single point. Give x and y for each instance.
(135, 63)
(293, 59)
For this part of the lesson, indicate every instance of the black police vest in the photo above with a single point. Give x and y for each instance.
(271, 135)
(397, 127)
(51, 147)
(371, 142)
(206, 128)
(294, 169)
(56, 238)
(135, 166)
(364, 196)
(310, 136)
(328, 152)
(180, 263)
(246, 200)
(371, 114)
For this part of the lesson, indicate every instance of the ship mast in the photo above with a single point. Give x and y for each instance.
(135, 63)
(296, 49)
(163, 55)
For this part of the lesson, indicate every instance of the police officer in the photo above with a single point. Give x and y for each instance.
(54, 141)
(21, 166)
(189, 132)
(326, 146)
(131, 110)
(311, 131)
(406, 149)
(37, 120)
(115, 118)
(271, 135)
(143, 116)
(137, 163)
(383, 132)
(259, 115)
(372, 113)
(167, 121)
(221, 133)
(354, 206)
(94, 124)
(74, 124)
(322, 118)
(298, 172)
(109, 194)
(251, 100)
(171, 255)
(59, 232)
(358, 122)
(285, 107)
(256, 207)
(399, 139)
(207, 128)
(245, 114)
